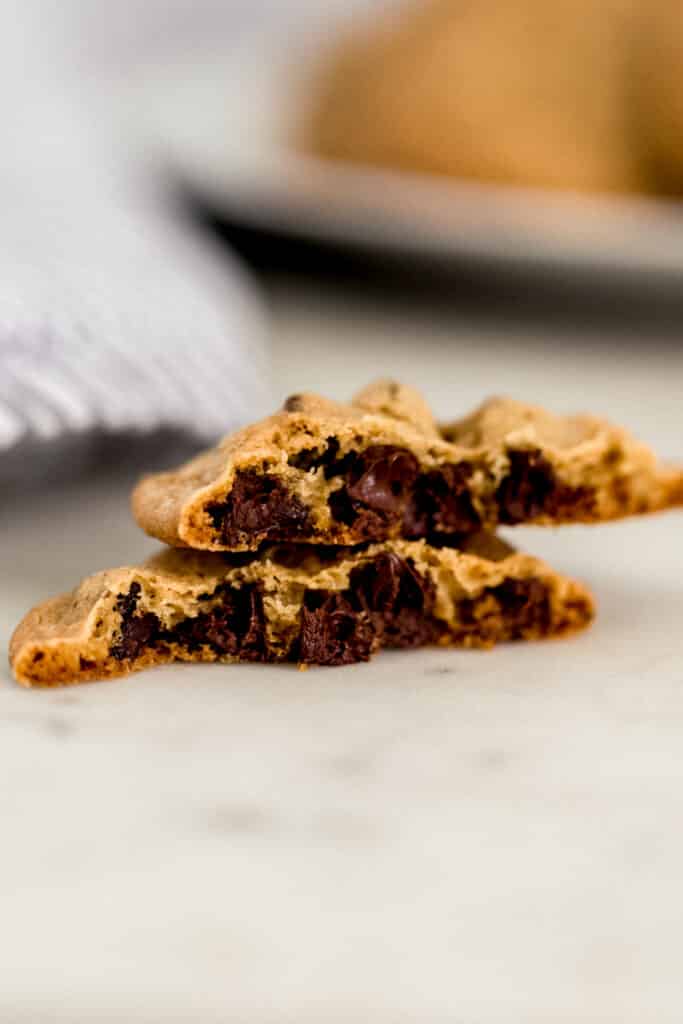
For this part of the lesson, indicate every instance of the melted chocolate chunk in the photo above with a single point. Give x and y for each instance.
(381, 478)
(399, 599)
(334, 629)
(343, 509)
(367, 524)
(531, 489)
(388, 602)
(259, 505)
(137, 632)
(388, 581)
(441, 502)
(338, 466)
(235, 626)
(378, 484)
(523, 494)
(127, 603)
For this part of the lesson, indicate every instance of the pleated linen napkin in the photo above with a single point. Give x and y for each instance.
(116, 318)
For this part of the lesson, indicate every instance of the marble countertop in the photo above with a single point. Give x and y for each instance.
(434, 837)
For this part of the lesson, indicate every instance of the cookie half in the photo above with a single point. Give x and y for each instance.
(296, 604)
(324, 472)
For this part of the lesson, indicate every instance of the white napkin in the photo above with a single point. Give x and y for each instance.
(115, 316)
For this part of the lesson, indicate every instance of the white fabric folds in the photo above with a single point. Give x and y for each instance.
(115, 316)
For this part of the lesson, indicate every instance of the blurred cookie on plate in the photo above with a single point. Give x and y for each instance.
(574, 95)
(514, 91)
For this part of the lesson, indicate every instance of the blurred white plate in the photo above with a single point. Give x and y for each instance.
(224, 125)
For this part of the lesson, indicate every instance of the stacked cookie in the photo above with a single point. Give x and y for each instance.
(329, 530)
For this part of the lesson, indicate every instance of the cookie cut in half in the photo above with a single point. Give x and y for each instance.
(380, 467)
(299, 604)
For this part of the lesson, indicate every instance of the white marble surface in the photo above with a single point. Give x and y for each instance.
(435, 837)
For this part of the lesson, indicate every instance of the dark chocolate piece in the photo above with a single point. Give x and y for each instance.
(399, 599)
(523, 493)
(137, 632)
(381, 478)
(259, 504)
(441, 502)
(531, 489)
(334, 630)
(235, 626)
(377, 487)
(388, 603)
(368, 524)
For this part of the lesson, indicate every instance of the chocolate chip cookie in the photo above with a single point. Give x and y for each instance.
(298, 604)
(380, 467)
(516, 91)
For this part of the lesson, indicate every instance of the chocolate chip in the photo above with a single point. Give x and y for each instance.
(378, 483)
(399, 600)
(293, 404)
(335, 466)
(441, 502)
(259, 506)
(235, 626)
(252, 625)
(136, 633)
(127, 603)
(381, 477)
(367, 524)
(531, 489)
(387, 581)
(342, 508)
(333, 631)
(524, 492)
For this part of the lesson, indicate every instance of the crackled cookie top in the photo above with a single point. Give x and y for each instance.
(380, 467)
(299, 603)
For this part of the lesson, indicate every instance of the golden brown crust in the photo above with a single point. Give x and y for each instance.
(596, 471)
(77, 637)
